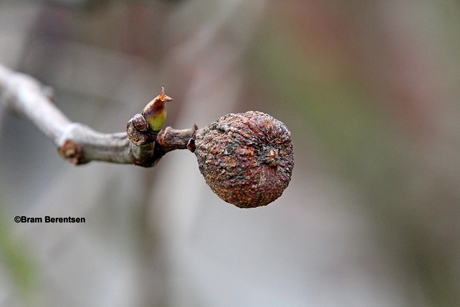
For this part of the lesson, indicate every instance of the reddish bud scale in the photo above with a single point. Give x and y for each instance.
(246, 158)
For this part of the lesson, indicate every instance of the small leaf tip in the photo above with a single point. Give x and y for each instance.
(162, 95)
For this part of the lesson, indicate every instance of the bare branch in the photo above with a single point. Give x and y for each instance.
(78, 143)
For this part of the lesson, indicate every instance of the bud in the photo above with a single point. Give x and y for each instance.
(155, 111)
(246, 158)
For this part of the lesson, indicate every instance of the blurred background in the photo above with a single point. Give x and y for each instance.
(369, 90)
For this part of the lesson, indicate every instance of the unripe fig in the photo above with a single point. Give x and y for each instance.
(246, 158)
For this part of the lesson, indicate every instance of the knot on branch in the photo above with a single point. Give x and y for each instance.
(72, 152)
(138, 131)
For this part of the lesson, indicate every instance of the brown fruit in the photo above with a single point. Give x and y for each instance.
(246, 158)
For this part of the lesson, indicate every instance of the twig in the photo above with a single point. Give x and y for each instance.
(78, 143)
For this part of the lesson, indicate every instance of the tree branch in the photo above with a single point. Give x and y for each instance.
(78, 143)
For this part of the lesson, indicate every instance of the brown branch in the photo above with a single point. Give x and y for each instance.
(78, 143)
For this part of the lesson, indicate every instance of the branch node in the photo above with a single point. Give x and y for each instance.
(72, 152)
(138, 132)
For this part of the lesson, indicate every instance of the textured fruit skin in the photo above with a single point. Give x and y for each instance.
(246, 158)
